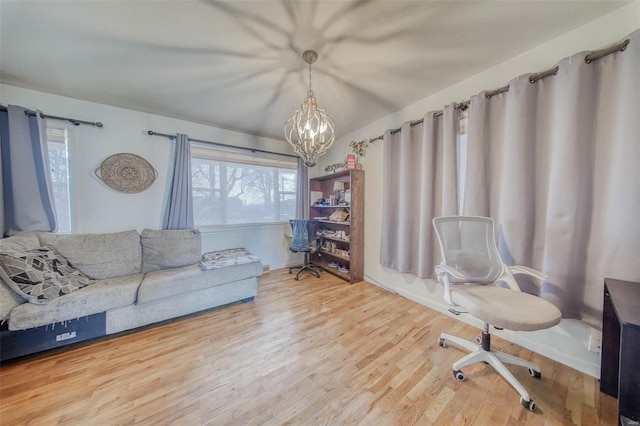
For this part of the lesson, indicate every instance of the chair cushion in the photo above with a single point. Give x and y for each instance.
(505, 308)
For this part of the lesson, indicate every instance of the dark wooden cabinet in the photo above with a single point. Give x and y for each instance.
(620, 363)
(335, 249)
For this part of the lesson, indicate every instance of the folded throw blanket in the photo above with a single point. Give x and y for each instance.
(224, 258)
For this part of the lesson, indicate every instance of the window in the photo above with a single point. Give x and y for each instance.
(235, 188)
(59, 143)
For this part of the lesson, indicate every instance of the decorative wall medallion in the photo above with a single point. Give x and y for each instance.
(128, 173)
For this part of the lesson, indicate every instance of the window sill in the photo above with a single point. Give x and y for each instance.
(218, 229)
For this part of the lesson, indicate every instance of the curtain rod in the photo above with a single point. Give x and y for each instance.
(152, 133)
(590, 57)
(73, 121)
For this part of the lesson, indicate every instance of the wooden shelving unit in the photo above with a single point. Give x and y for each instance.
(354, 226)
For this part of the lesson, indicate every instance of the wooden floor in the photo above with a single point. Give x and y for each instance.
(314, 351)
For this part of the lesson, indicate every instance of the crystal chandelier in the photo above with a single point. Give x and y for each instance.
(310, 131)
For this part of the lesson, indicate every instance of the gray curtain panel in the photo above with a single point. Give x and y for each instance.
(419, 170)
(556, 164)
(179, 210)
(302, 191)
(27, 191)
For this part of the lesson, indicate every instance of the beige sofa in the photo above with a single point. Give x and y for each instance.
(140, 279)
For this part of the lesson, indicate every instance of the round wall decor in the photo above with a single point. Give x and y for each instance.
(128, 173)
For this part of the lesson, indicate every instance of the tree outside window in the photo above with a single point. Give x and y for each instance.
(233, 193)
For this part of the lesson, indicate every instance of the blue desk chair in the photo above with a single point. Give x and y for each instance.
(300, 244)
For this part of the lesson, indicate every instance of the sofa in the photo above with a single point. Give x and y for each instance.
(118, 281)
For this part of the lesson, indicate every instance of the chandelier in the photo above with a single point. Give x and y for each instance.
(310, 131)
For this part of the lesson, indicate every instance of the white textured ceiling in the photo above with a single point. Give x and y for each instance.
(237, 64)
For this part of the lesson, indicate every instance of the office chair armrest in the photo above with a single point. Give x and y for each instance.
(442, 268)
(442, 272)
(519, 269)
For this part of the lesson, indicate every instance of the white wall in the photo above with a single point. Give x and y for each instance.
(567, 342)
(100, 209)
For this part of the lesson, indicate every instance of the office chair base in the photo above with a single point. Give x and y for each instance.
(496, 359)
(308, 267)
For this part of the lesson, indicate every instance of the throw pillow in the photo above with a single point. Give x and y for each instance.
(40, 275)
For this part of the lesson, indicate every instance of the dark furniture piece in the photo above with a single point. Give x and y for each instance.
(353, 182)
(18, 343)
(620, 364)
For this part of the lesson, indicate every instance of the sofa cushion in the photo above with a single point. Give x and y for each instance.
(98, 297)
(20, 242)
(169, 282)
(162, 249)
(9, 299)
(100, 256)
(40, 275)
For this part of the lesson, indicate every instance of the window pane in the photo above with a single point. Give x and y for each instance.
(59, 163)
(287, 189)
(231, 193)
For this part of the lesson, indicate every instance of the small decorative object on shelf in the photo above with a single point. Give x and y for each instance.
(334, 168)
(360, 149)
(340, 215)
(351, 162)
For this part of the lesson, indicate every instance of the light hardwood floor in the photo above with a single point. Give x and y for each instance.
(314, 351)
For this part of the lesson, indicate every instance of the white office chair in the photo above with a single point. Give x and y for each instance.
(470, 269)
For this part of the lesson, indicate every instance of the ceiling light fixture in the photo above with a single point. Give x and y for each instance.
(310, 131)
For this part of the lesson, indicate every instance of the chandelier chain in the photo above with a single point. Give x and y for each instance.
(310, 91)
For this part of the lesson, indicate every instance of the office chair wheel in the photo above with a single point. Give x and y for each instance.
(534, 373)
(442, 343)
(529, 405)
(296, 278)
(459, 375)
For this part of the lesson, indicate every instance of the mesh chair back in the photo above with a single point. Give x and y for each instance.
(468, 245)
(300, 237)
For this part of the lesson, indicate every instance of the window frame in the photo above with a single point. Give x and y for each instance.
(258, 160)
